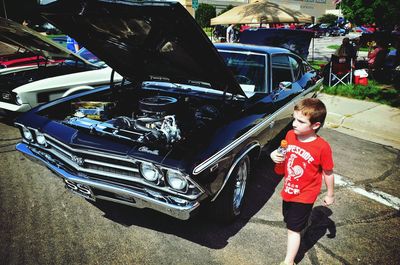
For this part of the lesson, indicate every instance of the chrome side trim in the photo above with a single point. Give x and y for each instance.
(233, 167)
(141, 198)
(221, 153)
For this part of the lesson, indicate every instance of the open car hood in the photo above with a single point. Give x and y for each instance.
(14, 35)
(144, 40)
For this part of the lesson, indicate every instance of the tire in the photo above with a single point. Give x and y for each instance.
(228, 205)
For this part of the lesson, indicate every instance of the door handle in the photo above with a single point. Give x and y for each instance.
(272, 123)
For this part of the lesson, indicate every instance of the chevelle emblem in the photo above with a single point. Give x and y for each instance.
(147, 150)
(78, 160)
(6, 96)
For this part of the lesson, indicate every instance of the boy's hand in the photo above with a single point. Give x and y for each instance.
(329, 200)
(276, 157)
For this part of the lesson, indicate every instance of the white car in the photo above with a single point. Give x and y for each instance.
(42, 70)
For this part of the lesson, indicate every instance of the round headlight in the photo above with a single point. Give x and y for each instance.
(40, 139)
(149, 172)
(176, 180)
(18, 99)
(27, 134)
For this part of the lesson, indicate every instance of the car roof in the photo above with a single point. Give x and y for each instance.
(251, 48)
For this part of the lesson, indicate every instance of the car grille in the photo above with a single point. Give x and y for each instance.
(106, 167)
(110, 167)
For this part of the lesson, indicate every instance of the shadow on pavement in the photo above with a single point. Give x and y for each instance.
(7, 118)
(320, 225)
(201, 229)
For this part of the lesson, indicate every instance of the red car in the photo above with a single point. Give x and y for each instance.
(19, 58)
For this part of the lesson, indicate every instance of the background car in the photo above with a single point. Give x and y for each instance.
(329, 30)
(14, 56)
(315, 28)
(40, 70)
(185, 128)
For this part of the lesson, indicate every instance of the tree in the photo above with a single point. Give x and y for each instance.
(227, 8)
(204, 13)
(328, 19)
(384, 13)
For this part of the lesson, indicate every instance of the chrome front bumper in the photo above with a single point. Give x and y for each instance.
(139, 198)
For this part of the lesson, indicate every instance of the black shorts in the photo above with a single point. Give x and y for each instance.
(296, 214)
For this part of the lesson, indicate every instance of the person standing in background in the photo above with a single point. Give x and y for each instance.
(230, 33)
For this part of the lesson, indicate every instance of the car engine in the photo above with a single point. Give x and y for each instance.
(155, 123)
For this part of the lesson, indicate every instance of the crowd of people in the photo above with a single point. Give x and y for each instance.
(383, 57)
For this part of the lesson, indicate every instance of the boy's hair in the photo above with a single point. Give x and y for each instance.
(313, 108)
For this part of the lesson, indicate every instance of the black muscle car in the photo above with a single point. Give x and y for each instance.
(186, 123)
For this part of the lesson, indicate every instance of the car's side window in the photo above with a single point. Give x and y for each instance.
(296, 68)
(281, 70)
(248, 69)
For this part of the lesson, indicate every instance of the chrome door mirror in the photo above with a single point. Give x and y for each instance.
(285, 85)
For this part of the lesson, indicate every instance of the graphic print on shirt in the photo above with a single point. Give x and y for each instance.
(294, 171)
(296, 165)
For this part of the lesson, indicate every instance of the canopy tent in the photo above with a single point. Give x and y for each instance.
(261, 11)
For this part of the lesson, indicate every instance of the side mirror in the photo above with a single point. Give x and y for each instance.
(285, 85)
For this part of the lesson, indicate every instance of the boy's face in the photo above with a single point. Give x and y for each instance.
(302, 124)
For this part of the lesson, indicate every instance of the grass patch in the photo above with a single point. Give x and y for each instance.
(361, 49)
(374, 91)
(333, 47)
(317, 64)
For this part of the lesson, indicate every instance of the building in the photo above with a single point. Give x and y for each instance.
(315, 8)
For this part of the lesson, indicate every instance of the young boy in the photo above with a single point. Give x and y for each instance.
(308, 160)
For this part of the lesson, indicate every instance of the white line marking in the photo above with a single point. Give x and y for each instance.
(376, 195)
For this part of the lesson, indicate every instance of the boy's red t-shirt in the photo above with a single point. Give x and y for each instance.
(303, 168)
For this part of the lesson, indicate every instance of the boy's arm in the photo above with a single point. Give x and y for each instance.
(329, 182)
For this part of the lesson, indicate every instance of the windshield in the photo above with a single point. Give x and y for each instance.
(88, 56)
(248, 69)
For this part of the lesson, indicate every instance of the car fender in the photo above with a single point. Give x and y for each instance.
(76, 90)
(250, 148)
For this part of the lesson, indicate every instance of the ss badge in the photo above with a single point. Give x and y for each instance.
(80, 189)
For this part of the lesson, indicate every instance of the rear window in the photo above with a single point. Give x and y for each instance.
(281, 70)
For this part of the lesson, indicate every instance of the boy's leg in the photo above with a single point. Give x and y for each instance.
(296, 217)
(293, 244)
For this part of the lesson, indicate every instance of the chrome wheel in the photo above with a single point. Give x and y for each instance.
(240, 186)
(229, 204)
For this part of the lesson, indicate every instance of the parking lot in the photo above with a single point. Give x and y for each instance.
(42, 223)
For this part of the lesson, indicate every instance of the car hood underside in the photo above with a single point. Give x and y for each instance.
(144, 40)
